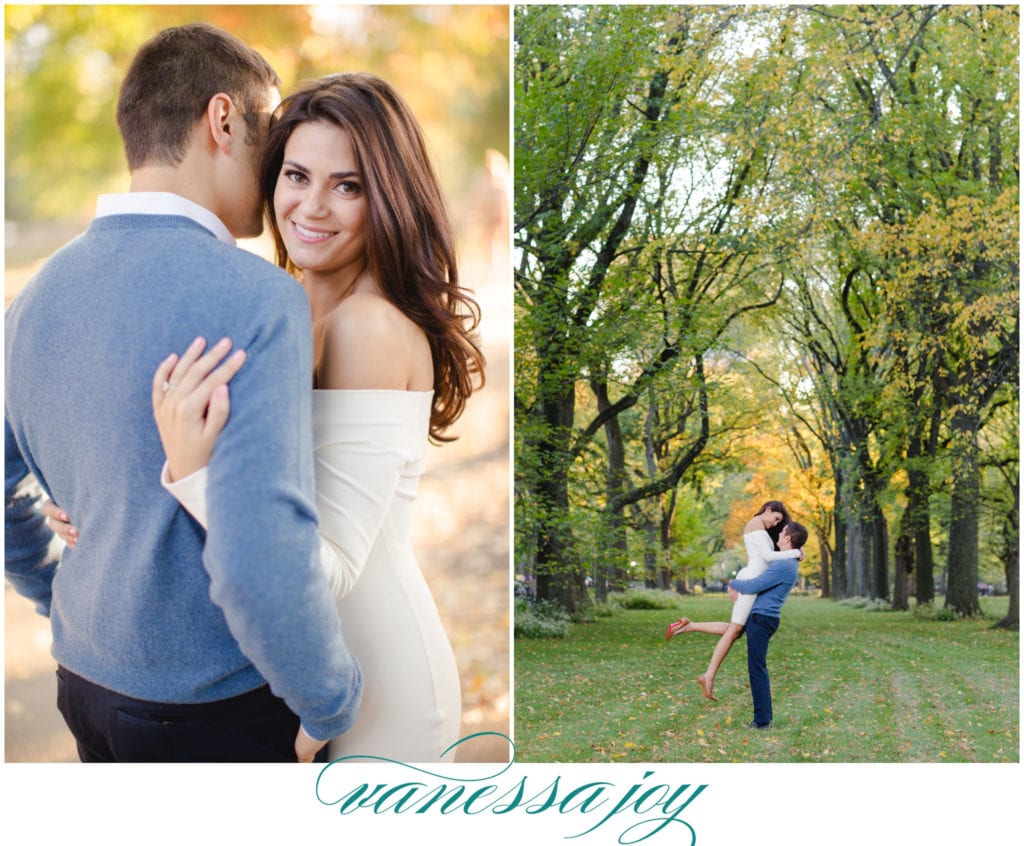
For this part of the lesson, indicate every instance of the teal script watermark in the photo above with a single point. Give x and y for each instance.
(636, 812)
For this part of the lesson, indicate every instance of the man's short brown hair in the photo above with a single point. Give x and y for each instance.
(797, 534)
(171, 81)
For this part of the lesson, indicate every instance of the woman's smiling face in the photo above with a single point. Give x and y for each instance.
(320, 202)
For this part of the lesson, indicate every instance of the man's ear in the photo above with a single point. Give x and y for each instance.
(220, 118)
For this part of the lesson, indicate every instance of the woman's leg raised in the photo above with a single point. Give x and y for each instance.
(683, 624)
(730, 634)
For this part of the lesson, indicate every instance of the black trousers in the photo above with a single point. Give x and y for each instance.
(109, 727)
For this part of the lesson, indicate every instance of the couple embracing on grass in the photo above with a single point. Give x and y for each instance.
(774, 546)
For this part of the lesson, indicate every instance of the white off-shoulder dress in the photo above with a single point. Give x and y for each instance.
(369, 449)
(760, 550)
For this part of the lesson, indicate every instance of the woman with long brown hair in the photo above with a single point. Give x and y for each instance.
(359, 219)
(760, 537)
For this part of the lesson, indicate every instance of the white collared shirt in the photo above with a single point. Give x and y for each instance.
(162, 202)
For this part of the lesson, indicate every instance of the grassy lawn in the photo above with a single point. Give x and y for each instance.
(847, 685)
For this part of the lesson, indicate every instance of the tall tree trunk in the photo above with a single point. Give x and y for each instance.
(962, 584)
(918, 519)
(924, 558)
(651, 569)
(665, 535)
(560, 576)
(1011, 561)
(856, 504)
(839, 586)
(616, 558)
(825, 553)
(867, 536)
(617, 551)
(858, 551)
(867, 551)
(903, 563)
(668, 511)
(879, 551)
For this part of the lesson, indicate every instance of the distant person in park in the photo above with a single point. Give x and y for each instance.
(174, 644)
(770, 590)
(760, 536)
(358, 216)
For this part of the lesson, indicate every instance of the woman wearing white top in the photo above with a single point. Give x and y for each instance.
(759, 536)
(358, 217)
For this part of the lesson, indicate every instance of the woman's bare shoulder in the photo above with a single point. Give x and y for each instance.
(366, 307)
(368, 342)
(369, 318)
(753, 525)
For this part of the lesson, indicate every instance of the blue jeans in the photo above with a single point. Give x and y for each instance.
(759, 631)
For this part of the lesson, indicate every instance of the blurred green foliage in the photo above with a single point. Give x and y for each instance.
(64, 65)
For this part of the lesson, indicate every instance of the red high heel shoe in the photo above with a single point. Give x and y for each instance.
(676, 626)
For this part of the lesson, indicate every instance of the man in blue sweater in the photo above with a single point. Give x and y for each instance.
(173, 645)
(772, 588)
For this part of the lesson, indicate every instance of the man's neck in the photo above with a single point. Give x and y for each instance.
(156, 196)
(184, 180)
(166, 179)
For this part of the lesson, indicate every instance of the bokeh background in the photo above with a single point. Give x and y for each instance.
(63, 67)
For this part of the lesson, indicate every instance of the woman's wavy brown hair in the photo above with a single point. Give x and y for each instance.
(410, 246)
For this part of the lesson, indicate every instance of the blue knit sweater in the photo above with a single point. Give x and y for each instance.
(772, 586)
(146, 604)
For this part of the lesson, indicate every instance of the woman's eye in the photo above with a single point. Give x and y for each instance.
(296, 176)
(348, 187)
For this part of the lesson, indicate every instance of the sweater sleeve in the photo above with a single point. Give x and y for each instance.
(31, 549)
(774, 575)
(780, 554)
(342, 562)
(261, 550)
(760, 547)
